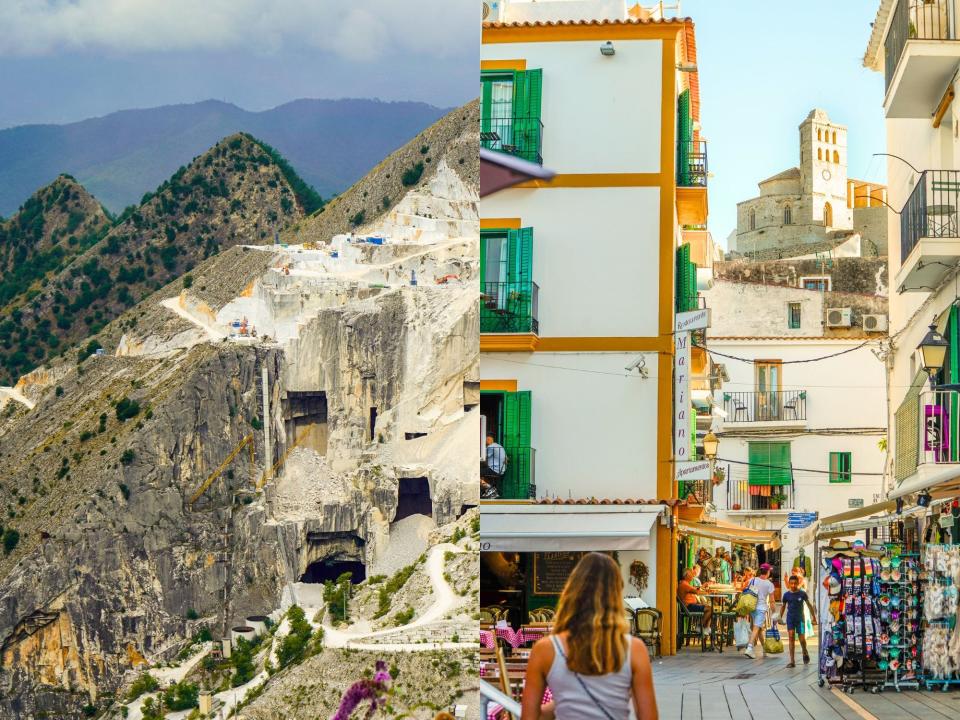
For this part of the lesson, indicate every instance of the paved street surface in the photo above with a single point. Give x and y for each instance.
(712, 686)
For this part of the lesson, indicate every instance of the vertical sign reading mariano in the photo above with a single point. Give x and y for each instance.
(681, 396)
(685, 322)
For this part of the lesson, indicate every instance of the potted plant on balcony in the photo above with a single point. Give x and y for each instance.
(776, 500)
(718, 476)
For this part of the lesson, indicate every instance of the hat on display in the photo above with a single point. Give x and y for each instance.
(835, 586)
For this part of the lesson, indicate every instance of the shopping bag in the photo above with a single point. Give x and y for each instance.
(741, 632)
(746, 603)
(771, 642)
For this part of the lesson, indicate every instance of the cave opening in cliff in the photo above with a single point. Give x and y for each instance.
(413, 498)
(305, 419)
(320, 571)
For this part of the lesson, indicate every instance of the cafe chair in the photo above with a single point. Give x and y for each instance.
(649, 623)
(489, 615)
(690, 627)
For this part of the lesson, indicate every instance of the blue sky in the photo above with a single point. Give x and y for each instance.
(763, 66)
(66, 61)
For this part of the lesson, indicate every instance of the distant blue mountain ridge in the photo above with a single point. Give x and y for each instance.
(121, 156)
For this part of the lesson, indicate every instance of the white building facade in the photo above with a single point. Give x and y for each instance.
(914, 45)
(579, 279)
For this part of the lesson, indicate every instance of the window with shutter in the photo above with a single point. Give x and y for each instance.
(510, 103)
(517, 410)
(508, 294)
(770, 463)
(684, 140)
(840, 467)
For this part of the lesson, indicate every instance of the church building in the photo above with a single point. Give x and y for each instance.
(814, 204)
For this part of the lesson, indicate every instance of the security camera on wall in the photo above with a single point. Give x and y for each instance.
(640, 365)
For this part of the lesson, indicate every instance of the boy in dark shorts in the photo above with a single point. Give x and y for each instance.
(792, 604)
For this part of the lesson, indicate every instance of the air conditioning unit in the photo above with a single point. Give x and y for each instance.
(875, 323)
(492, 10)
(839, 317)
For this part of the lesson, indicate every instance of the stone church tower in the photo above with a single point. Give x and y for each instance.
(823, 171)
(813, 207)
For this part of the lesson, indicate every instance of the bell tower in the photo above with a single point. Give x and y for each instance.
(823, 170)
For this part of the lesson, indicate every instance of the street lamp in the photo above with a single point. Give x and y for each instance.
(710, 445)
(933, 352)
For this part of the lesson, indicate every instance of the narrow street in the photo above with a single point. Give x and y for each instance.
(712, 686)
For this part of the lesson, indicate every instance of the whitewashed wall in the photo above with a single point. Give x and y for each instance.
(594, 425)
(600, 114)
(595, 256)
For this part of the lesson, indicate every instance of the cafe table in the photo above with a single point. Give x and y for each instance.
(721, 601)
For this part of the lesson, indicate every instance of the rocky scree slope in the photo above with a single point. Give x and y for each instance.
(454, 138)
(54, 226)
(233, 193)
(112, 562)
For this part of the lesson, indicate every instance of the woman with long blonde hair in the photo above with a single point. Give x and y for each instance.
(591, 663)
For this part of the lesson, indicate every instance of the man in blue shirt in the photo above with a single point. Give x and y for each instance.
(792, 603)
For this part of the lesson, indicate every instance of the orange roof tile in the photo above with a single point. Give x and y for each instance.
(559, 23)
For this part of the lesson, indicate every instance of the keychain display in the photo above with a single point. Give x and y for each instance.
(899, 655)
(941, 639)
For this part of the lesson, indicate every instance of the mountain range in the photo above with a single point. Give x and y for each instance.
(121, 156)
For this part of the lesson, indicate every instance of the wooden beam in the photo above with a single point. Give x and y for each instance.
(944, 105)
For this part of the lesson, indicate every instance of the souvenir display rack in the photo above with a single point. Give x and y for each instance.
(898, 655)
(849, 638)
(941, 643)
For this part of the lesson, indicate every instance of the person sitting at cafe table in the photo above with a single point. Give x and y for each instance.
(687, 594)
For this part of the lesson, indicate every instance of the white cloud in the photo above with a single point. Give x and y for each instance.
(359, 30)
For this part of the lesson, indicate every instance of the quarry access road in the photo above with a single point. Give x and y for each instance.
(209, 328)
(446, 600)
(13, 394)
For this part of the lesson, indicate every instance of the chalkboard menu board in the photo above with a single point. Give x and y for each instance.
(551, 570)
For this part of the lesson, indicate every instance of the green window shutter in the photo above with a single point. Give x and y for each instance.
(516, 440)
(841, 467)
(483, 260)
(686, 282)
(769, 463)
(684, 136)
(527, 96)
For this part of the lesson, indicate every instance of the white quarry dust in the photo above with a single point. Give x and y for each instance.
(304, 484)
(408, 541)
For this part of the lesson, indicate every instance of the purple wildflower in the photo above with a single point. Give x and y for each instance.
(372, 691)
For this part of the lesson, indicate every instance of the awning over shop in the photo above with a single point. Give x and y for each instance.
(946, 478)
(544, 528)
(847, 522)
(730, 532)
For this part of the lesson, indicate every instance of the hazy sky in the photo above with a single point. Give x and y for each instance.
(763, 66)
(65, 60)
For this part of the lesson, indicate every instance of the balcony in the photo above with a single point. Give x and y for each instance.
(774, 408)
(926, 426)
(920, 56)
(747, 499)
(508, 316)
(692, 182)
(514, 135)
(929, 231)
(697, 494)
(518, 480)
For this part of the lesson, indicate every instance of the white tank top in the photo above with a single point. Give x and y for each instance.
(611, 691)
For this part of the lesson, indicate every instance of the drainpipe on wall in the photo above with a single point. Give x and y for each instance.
(888, 462)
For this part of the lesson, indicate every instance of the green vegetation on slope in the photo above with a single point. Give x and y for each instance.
(308, 198)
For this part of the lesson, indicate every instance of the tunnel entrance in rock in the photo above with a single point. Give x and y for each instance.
(413, 498)
(322, 570)
(305, 418)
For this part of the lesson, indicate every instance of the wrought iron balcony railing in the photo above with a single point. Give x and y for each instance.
(692, 163)
(509, 307)
(916, 20)
(931, 209)
(937, 423)
(515, 135)
(741, 495)
(765, 406)
(512, 471)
